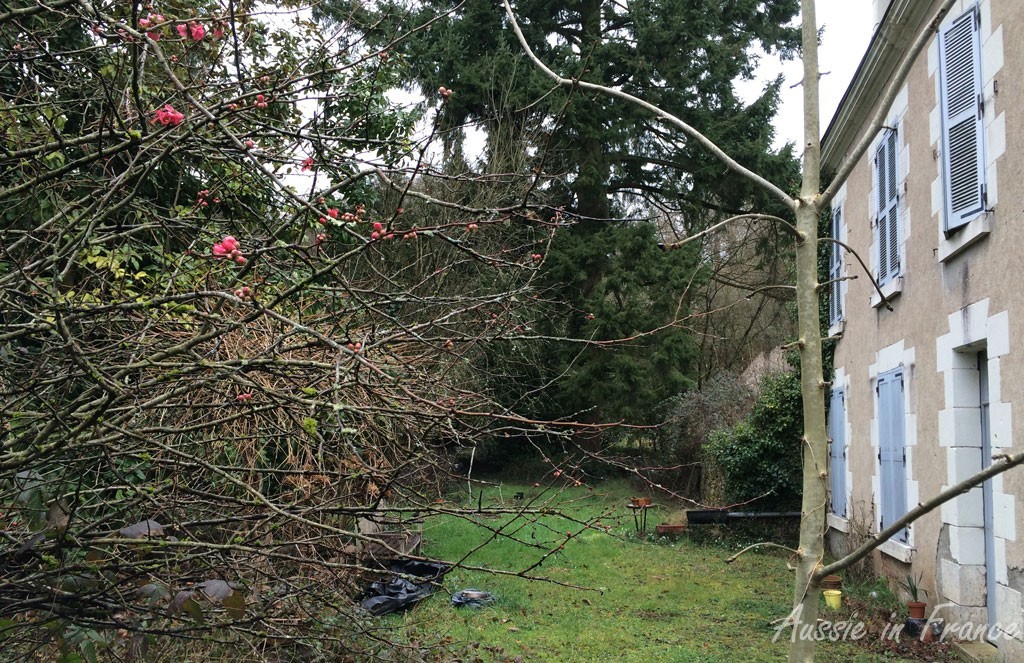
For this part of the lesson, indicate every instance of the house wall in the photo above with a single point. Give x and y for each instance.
(954, 299)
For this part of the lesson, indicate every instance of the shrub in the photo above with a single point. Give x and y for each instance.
(720, 402)
(759, 457)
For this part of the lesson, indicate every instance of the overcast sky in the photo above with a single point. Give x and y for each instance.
(847, 25)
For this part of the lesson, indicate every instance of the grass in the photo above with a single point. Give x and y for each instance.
(645, 599)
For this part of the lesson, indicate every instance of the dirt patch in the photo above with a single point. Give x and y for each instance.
(885, 633)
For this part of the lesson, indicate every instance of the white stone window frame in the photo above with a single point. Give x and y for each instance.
(842, 381)
(994, 127)
(972, 329)
(894, 120)
(887, 359)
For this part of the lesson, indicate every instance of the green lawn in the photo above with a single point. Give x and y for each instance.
(646, 600)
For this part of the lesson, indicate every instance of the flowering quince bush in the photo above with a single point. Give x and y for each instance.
(216, 359)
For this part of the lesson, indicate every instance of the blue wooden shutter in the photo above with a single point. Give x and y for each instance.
(892, 457)
(887, 220)
(837, 451)
(835, 271)
(961, 101)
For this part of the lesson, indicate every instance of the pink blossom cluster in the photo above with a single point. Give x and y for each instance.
(348, 217)
(245, 292)
(149, 21)
(244, 397)
(229, 248)
(307, 164)
(333, 213)
(203, 198)
(193, 30)
(167, 116)
(261, 101)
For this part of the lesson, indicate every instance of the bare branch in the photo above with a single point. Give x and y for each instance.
(896, 80)
(867, 272)
(665, 116)
(1001, 464)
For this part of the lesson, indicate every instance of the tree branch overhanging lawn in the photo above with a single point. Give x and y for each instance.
(807, 208)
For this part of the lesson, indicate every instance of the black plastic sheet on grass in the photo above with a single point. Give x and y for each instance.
(406, 582)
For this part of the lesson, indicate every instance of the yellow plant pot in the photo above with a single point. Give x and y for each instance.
(833, 598)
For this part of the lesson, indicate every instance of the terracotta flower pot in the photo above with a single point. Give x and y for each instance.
(832, 582)
(916, 609)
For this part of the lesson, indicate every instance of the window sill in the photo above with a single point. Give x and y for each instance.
(897, 550)
(890, 290)
(837, 328)
(974, 231)
(839, 523)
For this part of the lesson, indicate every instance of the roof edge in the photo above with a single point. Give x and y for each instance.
(888, 46)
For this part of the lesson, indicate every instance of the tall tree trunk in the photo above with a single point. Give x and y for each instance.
(815, 441)
(591, 185)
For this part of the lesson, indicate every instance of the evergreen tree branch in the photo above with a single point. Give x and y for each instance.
(665, 116)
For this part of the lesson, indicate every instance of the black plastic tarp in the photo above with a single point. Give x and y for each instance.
(405, 582)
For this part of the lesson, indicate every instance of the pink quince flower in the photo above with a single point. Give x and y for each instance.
(218, 31)
(167, 116)
(194, 31)
(307, 164)
(229, 247)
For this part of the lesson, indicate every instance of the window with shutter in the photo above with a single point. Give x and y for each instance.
(835, 271)
(887, 219)
(892, 459)
(961, 107)
(837, 452)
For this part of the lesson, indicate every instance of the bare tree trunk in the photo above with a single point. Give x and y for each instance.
(815, 440)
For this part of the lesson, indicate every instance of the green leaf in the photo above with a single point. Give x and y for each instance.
(88, 649)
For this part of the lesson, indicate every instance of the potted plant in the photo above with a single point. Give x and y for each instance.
(915, 606)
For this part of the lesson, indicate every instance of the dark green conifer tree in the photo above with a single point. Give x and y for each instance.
(627, 182)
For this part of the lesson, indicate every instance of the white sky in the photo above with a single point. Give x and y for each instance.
(848, 25)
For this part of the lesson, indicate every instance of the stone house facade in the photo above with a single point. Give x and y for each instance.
(923, 394)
